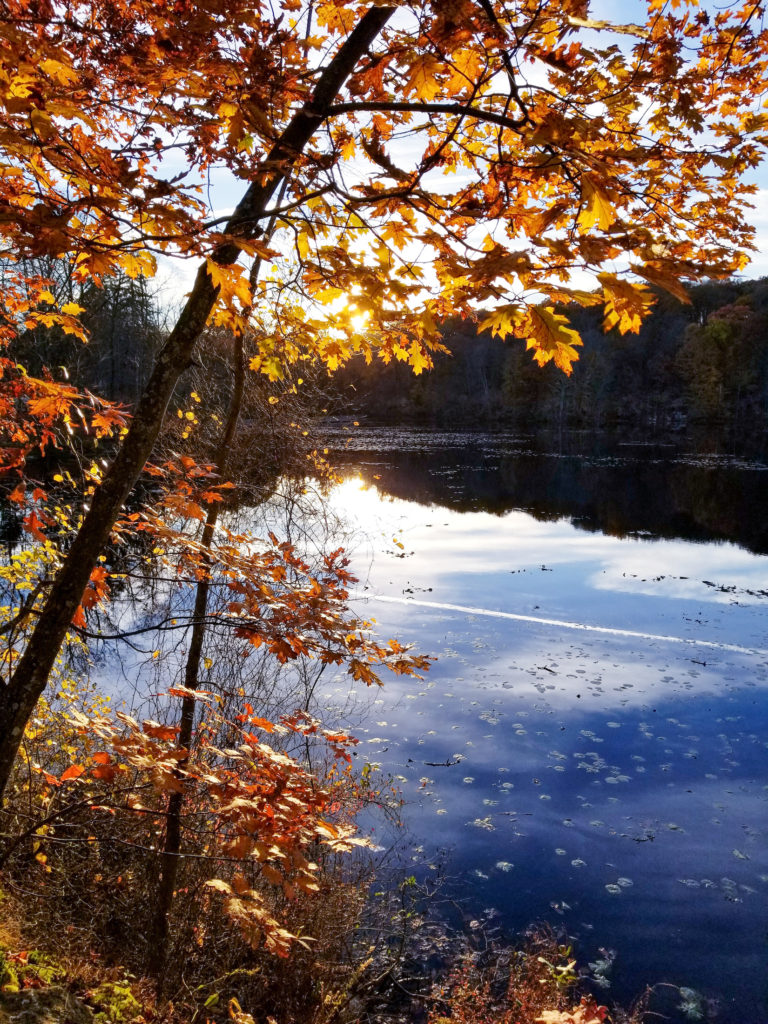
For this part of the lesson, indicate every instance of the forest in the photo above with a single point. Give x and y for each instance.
(703, 361)
(350, 181)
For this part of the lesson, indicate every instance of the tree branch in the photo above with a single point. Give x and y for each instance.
(19, 696)
(460, 109)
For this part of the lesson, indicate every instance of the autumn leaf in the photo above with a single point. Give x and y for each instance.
(504, 320)
(73, 308)
(62, 73)
(466, 65)
(587, 1012)
(160, 732)
(597, 210)
(335, 17)
(418, 358)
(32, 524)
(626, 303)
(96, 265)
(549, 336)
(302, 244)
(662, 277)
(108, 419)
(139, 264)
(422, 77)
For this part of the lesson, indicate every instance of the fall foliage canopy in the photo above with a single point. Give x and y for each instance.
(401, 162)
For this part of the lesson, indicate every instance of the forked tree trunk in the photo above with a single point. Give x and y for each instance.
(19, 697)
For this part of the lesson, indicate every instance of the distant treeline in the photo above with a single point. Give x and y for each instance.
(706, 362)
(703, 362)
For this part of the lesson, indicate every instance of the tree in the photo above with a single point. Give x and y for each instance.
(422, 158)
(716, 388)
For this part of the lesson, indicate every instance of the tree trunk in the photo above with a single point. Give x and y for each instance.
(19, 696)
(157, 940)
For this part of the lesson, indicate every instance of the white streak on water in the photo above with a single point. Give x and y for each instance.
(563, 624)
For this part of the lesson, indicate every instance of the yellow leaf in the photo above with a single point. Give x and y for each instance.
(550, 338)
(219, 885)
(229, 279)
(466, 65)
(329, 294)
(418, 358)
(58, 72)
(336, 18)
(397, 232)
(626, 303)
(422, 77)
(139, 264)
(218, 274)
(503, 320)
(598, 209)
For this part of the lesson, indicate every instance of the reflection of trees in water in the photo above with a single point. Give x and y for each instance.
(659, 493)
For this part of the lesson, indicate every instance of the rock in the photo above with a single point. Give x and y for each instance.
(52, 1005)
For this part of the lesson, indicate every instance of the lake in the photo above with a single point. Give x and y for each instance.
(590, 747)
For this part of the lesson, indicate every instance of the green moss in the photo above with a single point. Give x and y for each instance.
(115, 1003)
(9, 976)
(37, 967)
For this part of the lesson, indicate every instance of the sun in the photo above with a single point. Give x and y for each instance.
(347, 313)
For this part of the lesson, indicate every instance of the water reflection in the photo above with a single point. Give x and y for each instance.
(610, 779)
(663, 490)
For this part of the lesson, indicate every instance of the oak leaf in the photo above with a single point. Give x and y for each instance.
(598, 209)
(549, 336)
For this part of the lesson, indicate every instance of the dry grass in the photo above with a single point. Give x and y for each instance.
(536, 984)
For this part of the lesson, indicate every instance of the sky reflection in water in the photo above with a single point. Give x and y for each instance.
(608, 783)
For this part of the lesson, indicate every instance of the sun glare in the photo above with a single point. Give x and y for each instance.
(358, 502)
(358, 320)
(347, 313)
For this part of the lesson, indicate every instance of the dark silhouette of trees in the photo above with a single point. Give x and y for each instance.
(702, 362)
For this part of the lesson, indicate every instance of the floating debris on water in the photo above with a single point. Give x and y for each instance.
(691, 1004)
(484, 823)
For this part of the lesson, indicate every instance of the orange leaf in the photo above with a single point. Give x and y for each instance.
(32, 525)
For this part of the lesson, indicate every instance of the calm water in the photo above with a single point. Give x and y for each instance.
(590, 748)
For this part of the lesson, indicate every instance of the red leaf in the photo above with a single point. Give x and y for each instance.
(32, 525)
